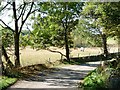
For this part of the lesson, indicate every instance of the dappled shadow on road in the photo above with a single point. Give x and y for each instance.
(62, 76)
(65, 77)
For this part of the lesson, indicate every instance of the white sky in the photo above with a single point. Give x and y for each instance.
(7, 17)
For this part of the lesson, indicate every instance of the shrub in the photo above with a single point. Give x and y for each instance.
(94, 80)
(106, 77)
(6, 82)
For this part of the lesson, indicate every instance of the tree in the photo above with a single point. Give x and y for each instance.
(93, 12)
(106, 15)
(111, 19)
(65, 15)
(44, 32)
(25, 38)
(20, 14)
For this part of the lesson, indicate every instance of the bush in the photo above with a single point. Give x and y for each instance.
(6, 82)
(94, 80)
(106, 77)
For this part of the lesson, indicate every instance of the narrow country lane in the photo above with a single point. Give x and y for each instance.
(59, 78)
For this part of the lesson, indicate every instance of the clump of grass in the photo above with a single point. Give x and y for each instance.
(6, 82)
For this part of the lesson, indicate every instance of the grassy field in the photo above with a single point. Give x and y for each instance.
(30, 56)
(43, 56)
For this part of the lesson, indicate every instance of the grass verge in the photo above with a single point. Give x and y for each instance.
(6, 82)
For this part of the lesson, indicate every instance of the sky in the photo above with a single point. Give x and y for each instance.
(7, 15)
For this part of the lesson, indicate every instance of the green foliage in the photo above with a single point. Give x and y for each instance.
(6, 82)
(25, 40)
(85, 34)
(45, 33)
(49, 29)
(94, 80)
(111, 20)
(7, 38)
(104, 20)
(106, 76)
(105, 15)
(89, 30)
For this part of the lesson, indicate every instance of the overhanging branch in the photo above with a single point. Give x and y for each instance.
(22, 11)
(34, 11)
(37, 10)
(4, 7)
(56, 52)
(6, 25)
(26, 17)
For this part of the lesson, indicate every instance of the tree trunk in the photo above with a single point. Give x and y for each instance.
(1, 63)
(105, 45)
(17, 57)
(66, 46)
(118, 44)
(118, 48)
(6, 57)
(2, 69)
(16, 37)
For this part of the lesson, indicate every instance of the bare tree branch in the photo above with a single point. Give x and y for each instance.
(37, 10)
(26, 16)
(23, 15)
(19, 7)
(22, 11)
(9, 2)
(15, 15)
(4, 7)
(56, 52)
(6, 25)
(34, 11)
(29, 30)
